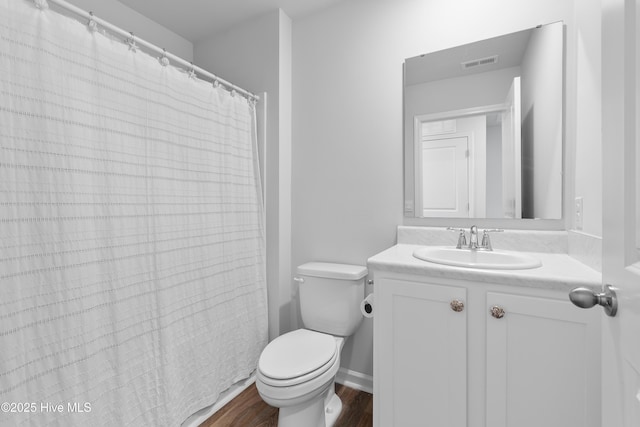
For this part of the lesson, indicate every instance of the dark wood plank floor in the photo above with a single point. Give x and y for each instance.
(248, 410)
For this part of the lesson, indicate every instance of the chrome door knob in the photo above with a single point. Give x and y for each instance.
(587, 298)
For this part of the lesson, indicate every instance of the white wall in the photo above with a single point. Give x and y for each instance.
(128, 19)
(347, 120)
(589, 146)
(256, 55)
(475, 90)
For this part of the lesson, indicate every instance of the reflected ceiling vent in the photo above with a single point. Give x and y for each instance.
(479, 62)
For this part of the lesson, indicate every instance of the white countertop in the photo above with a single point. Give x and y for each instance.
(558, 271)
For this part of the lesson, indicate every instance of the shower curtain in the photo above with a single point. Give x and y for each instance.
(132, 253)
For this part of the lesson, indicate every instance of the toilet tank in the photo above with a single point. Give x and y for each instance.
(330, 296)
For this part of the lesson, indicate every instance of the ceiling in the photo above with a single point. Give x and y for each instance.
(197, 19)
(509, 49)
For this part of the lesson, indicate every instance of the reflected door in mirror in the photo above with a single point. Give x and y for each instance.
(444, 180)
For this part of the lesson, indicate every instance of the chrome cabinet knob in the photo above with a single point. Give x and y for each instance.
(457, 305)
(497, 312)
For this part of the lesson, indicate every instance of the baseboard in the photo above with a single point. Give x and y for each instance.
(202, 415)
(356, 380)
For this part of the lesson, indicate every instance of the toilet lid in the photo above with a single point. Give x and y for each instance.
(296, 353)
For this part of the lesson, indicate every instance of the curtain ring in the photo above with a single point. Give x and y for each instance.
(164, 61)
(92, 24)
(41, 4)
(192, 72)
(131, 42)
(216, 84)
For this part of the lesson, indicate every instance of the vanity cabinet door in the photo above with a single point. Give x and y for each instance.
(420, 348)
(543, 363)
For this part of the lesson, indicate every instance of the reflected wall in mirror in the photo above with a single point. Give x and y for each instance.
(483, 128)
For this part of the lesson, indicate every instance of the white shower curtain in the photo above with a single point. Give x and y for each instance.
(132, 284)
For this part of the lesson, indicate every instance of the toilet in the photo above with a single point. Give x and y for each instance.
(296, 371)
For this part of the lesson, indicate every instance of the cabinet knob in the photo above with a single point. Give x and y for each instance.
(457, 305)
(497, 312)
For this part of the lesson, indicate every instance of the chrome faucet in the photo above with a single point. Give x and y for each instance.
(473, 238)
(485, 244)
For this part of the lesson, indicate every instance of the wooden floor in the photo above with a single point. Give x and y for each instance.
(248, 410)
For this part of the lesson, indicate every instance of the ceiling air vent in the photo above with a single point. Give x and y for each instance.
(479, 62)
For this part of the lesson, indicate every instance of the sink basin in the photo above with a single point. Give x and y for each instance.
(494, 260)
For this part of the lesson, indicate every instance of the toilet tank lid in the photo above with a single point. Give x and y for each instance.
(330, 270)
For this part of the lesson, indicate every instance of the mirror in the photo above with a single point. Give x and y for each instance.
(483, 128)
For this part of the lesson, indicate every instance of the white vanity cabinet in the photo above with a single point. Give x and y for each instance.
(456, 353)
(543, 362)
(420, 351)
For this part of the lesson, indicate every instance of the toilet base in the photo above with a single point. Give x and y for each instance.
(333, 407)
(324, 411)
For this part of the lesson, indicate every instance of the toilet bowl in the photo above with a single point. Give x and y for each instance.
(301, 381)
(296, 371)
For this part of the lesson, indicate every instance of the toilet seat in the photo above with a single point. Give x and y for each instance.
(294, 391)
(297, 357)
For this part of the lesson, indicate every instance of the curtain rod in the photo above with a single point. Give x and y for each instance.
(131, 37)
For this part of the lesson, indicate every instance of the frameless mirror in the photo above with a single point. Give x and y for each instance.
(483, 128)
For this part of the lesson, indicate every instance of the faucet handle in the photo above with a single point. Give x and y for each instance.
(486, 241)
(462, 237)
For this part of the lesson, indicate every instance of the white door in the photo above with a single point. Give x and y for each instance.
(511, 153)
(444, 182)
(621, 334)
